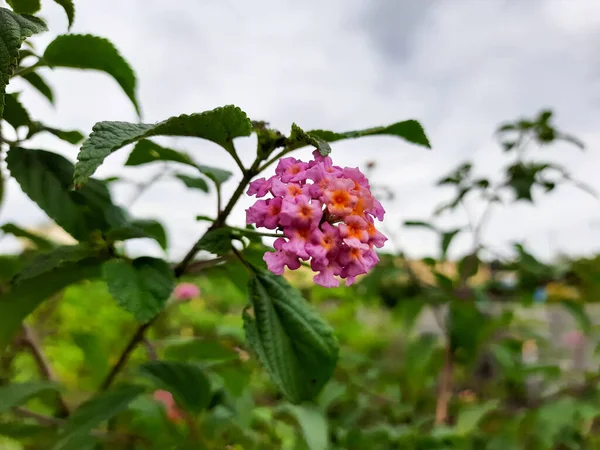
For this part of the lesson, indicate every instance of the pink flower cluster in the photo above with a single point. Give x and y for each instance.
(327, 214)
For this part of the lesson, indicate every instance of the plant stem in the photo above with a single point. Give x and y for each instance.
(445, 389)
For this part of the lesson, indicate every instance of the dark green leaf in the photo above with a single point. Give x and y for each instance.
(199, 350)
(220, 125)
(470, 416)
(19, 430)
(95, 353)
(468, 266)
(52, 260)
(447, 238)
(193, 182)
(70, 136)
(186, 381)
(14, 29)
(141, 287)
(293, 342)
(146, 151)
(300, 138)
(216, 241)
(205, 218)
(522, 177)
(46, 178)
(419, 223)
(218, 176)
(40, 242)
(140, 229)
(93, 412)
(409, 130)
(313, 423)
(15, 394)
(80, 51)
(25, 6)
(69, 8)
(14, 112)
(577, 310)
(22, 299)
(40, 84)
(458, 176)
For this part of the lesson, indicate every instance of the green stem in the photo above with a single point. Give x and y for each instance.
(257, 233)
(25, 70)
(277, 157)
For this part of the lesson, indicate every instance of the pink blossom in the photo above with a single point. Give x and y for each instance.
(327, 214)
(174, 414)
(186, 291)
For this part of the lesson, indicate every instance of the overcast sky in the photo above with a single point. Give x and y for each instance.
(459, 67)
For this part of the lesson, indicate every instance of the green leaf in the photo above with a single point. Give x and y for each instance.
(419, 223)
(69, 8)
(218, 176)
(16, 394)
(22, 299)
(313, 423)
(199, 350)
(146, 151)
(93, 412)
(220, 125)
(40, 84)
(70, 136)
(468, 266)
(141, 287)
(46, 178)
(140, 229)
(25, 6)
(469, 417)
(40, 242)
(52, 260)
(216, 241)
(293, 342)
(577, 310)
(409, 130)
(80, 51)
(300, 138)
(193, 182)
(14, 29)
(186, 381)
(447, 238)
(14, 112)
(95, 353)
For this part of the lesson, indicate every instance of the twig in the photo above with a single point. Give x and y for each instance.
(152, 356)
(30, 339)
(445, 389)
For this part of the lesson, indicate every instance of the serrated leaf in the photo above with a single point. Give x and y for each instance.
(14, 29)
(14, 112)
(69, 8)
(15, 394)
(300, 138)
(141, 287)
(293, 342)
(578, 312)
(409, 130)
(58, 257)
(469, 417)
(46, 178)
(193, 182)
(187, 382)
(447, 238)
(25, 6)
(146, 151)
(218, 176)
(220, 125)
(40, 84)
(140, 229)
(313, 424)
(94, 412)
(22, 299)
(40, 242)
(80, 51)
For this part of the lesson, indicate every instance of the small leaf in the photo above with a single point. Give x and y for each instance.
(220, 125)
(46, 178)
(15, 394)
(25, 6)
(293, 342)
(218, 176)
(447, 238)
(577, 310)
(80, 51)
(94, 412)
(70, 136)
(146, 151)
(140, 229)
(470, 416)
(58, 257)
(69, 8)
(40, 84)
(300, 138)
(14, 29)
(313, 423)
(141, 287)
(22, 299)
(186, 381)
(409, 130)
(14, 112)
(419, 223)
(216, 241)
(468, 266)
(573, 140)
(193, 182)
(40, 242)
